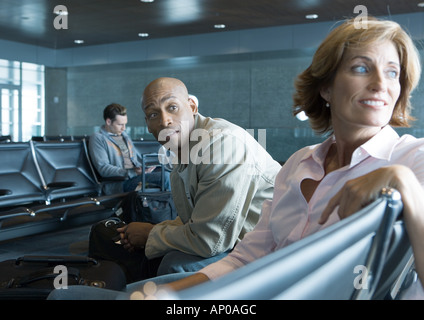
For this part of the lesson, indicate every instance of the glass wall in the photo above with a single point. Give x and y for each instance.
(22, 100)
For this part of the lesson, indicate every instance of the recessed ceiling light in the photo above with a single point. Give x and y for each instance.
(421, 4)
(147, 1)
(219, 26)
(143, 34)
(79, 41)
(311, 16)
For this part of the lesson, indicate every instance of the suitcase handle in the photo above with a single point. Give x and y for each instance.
(56, 260)
(47, 273)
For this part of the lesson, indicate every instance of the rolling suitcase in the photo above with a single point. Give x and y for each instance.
(148, 205)
(151, 207)
(34, 277)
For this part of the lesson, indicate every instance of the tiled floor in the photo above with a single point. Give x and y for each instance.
(65, 242)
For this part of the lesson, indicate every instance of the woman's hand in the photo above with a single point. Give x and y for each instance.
(359, 192)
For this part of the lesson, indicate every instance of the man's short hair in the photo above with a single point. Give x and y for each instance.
(113, 110)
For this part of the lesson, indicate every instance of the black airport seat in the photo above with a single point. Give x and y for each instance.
(46, 186)
(64, 169)
(23, 221)
(19, 179)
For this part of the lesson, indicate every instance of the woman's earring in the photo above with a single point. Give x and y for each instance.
(327, 105)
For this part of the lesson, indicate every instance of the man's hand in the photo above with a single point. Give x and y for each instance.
(139, 170)
(135, 234)
(150, 169)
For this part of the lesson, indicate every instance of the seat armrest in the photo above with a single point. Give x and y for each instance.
(112, 179)
(5, 192)
(16, 212)
(61, 185)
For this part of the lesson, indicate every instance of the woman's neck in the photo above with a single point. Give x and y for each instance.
(347, 141)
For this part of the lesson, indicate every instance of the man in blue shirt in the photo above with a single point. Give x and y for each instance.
(114, 155)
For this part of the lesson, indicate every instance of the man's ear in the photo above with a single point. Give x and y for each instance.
(193, 105)
(108, 121)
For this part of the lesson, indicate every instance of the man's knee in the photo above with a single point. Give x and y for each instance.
(172, 262)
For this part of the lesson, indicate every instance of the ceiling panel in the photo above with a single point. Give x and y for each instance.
(109, 21)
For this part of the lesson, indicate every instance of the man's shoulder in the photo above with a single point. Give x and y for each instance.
(217, 127)
(97, 136)
(209, 123)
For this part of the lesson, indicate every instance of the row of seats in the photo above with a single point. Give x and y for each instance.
(52, 184)
(60, 137)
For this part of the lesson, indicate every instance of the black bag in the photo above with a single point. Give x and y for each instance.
(138, 206)
(104, 244)
(151, 207)
(34, 277)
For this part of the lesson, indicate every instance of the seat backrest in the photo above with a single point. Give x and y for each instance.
(78, 138)
(329, 264)
(60, 138)
(96, 175)
(19, 179)
(38, 138)
(100, 181)
(398, 264)
(5, 139)
(63, 162)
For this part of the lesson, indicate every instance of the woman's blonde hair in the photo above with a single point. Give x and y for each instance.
(328, 56)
